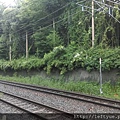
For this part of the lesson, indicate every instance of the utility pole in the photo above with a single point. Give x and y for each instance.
(26, 45)
(54, 31)
(93, 27)
(10, 48)
(100, 77)
(68, 36)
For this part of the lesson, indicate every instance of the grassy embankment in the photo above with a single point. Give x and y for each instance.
(109, 91)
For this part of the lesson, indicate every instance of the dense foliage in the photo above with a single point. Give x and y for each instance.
(67, 59)
(59, 34)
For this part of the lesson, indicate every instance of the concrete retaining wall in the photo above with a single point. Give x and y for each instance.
(78, 74)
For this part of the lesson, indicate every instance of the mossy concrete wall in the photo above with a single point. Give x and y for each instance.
(78, 74)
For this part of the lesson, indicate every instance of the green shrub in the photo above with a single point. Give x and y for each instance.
(66, 59)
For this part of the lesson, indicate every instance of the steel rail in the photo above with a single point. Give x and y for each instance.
(20, 108)
(68, 115)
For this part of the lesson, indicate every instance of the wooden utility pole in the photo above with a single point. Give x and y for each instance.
(10, 48)
(54, 31)
(26, 45)
(93, 27)
(68, 36)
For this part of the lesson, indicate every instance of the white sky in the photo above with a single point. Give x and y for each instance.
(8, 2)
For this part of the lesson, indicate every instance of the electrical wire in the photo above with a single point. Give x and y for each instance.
(107, 12)
(44, 17)
(47, 16)
(53, 13)
(114, 2)
(21, 28)
(30, 33)
(56, 17)
(71, 15)
(50, 25)
(106, 5)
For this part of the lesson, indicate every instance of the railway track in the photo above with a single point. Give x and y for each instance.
(7, 108)
(72, 95)
(38, 110)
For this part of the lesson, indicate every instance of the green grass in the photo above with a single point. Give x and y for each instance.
(91, 88)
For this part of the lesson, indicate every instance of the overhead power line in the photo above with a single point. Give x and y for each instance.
(50, 25)
(49, 15)
(21, 28)
(60, 9)
(107, 12)
(107, 5)
(117, 1)
(45, 16)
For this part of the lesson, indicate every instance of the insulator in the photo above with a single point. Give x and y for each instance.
(110, 11)
(82, 8)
